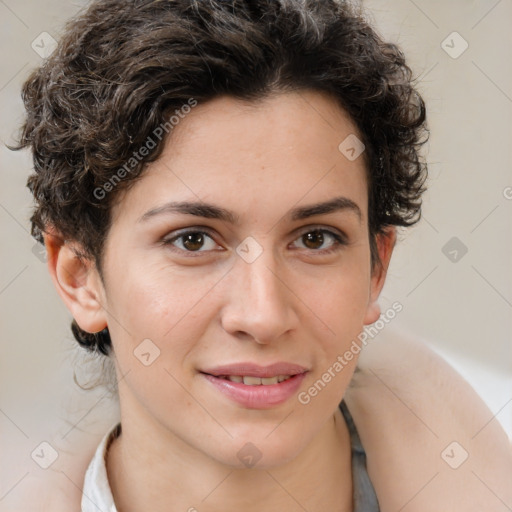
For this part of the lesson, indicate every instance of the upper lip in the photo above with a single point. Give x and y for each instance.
(254, 370)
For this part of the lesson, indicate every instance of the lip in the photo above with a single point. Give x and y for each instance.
(253, 370)
(260, 396)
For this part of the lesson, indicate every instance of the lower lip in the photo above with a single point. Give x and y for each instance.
(260, 396)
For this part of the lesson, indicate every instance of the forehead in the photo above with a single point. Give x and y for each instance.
(302, 121)
(277, 150)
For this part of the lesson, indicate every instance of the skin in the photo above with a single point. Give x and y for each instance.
(294, 303)
(261, 162)
(410, 397)
(402, 454)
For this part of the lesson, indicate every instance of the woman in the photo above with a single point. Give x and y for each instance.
(218, 185)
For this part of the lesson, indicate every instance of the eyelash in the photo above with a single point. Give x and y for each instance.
(340, 241)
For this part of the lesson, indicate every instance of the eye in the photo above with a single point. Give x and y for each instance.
(191, 241)
(322, 241)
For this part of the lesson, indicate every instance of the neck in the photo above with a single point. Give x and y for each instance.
(319, 478)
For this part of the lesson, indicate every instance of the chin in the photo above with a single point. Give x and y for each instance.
(260, 451)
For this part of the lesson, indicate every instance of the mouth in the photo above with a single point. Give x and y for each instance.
(248, 369)
(255, 381)
(257, 387)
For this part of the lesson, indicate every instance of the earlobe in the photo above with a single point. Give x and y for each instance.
(385, 244)
(77, 282)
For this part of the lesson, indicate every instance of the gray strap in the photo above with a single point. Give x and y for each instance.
(365, 499)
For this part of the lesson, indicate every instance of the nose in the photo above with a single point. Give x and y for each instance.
(261, 305)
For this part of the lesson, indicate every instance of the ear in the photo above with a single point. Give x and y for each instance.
(77, 282)
(385, 243)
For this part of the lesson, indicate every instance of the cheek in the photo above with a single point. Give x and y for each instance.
(341, 297)
(159, 304)
(156, 320)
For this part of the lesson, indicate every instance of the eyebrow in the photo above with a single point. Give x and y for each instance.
(210, 211)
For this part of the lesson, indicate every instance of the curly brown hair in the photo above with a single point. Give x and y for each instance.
(122, 67)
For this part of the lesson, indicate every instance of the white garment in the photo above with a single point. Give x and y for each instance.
(97, 495)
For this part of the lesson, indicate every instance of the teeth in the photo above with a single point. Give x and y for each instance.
(252, 381)
(257, 381)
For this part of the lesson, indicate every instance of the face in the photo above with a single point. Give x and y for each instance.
(251, 273)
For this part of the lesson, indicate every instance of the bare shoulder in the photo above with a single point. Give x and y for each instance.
(431, 441)
(59, 487)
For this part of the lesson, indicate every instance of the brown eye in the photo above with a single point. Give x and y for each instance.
(191, 241)
(321, 241)
(313, 240)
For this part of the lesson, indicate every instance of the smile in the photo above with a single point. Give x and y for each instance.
(256, 392)
(255, 381)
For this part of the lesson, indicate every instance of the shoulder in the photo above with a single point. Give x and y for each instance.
(431, 441)
(59, 488)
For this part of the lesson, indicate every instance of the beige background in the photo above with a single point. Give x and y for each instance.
(463, 309)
